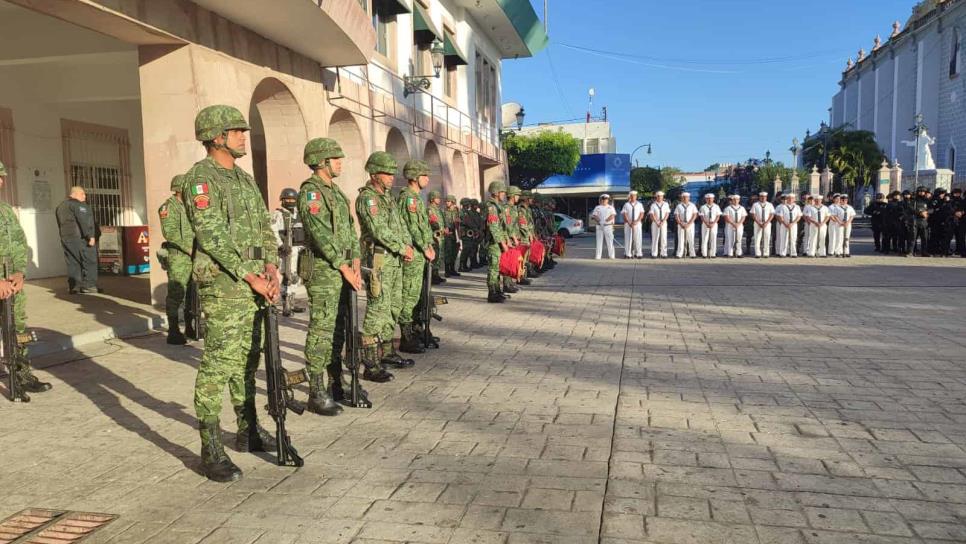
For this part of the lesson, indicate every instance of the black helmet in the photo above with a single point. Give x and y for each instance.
(879, 196)
(921, 189)
(906, 193)
(289, 193)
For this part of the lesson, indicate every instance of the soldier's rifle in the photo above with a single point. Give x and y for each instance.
(10, 342)
(286, 258)
(428, 307)
(194, 319)
(279, 384)
(353, 350)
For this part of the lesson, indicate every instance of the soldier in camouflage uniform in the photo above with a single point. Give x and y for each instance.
(499, 239)
(451, 241)
(437, 223)
(236, 270)
(511, 222)
(414, 216)
(528, 227)
(175, 257)
(13, 256)
(472, 229)
(385, 246)
(330, 267)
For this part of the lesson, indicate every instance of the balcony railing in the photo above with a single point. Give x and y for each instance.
(377, 93)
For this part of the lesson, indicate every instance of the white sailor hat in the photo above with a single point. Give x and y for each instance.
(659, 193)
(709, 195)
(790, 195)
(632, 193)
(763, 193)
(735, 196)
(605, 195)
(685, 193)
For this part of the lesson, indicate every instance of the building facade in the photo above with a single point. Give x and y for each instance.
(103, 94)
(919, 69)
(594, 136)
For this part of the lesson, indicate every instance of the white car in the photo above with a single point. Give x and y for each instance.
(568, 226)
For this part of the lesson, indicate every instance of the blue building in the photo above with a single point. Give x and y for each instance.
(595, 175)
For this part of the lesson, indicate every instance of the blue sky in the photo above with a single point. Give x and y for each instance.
(704, 81)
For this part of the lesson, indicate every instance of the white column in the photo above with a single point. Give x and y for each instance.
(895, 103)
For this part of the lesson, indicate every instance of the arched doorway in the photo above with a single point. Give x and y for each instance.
(396, 146)
(344, 129)
(458, 182)
(277, 139)
(431, 156)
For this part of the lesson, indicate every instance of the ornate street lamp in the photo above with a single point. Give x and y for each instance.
(415, 84)
(520, 116)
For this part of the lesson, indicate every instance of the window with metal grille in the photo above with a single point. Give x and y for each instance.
(97, 158)
(103, 187)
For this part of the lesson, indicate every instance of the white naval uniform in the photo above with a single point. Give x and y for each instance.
(785, 244)
(605, 216)
(835, 231)
(816, 233)
(733, 239)
(682, 214)
(709, 235)
(659, 213)
(843, 232)
(806, 211)
(633, 236)
(763, 212)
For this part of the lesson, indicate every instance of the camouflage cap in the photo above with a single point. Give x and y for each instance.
(177, 183)
(434, 194)
(414, 168)
(3, 169)
(451, 198)
(381, 162)
(512, 190)
(318, 150)
(496, 186)
(213, 121)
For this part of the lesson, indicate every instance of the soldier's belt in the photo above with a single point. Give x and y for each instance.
(253, 253)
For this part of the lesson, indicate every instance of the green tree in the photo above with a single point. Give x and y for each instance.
(647, 181)
(853, 155)
(534, 158)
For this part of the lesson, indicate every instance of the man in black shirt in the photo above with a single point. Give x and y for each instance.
(75, 219)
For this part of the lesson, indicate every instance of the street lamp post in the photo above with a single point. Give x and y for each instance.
(918, 129)
(638, 148)
(795, 148)
(825, 133)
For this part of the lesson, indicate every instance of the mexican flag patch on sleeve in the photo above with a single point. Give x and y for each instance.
(373, 208)
(411, 204)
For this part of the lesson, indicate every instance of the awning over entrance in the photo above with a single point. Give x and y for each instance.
(396, 7)
(424, 29)
(452, 53)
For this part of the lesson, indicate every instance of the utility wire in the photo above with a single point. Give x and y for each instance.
(556, 81)
(709, 62)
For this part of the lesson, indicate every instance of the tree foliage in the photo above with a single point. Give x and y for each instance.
(647, 181)
(853, 155)
(533, 158)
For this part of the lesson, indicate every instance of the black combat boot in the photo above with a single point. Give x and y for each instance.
(175, 337)
(453, 272)
(320, 401)
(418, 330)
(525, 281)
(29, 382)
(392, 359)
(494, 296)
(215, 464)
(409, 342)
(436, 279)
(374, 371)
(509, 287)
(342, 391)
(251, 436)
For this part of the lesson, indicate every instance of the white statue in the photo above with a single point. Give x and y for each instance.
(926, 161)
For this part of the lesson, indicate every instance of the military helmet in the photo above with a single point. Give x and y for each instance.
(318, 150)
(177, 183)
(451, 198)
(381, 162)
(496, 186)
(3, 169)
(512, 190)
(214, 121)
(464, 201)
(526, 194)
(288, 193)
(921, 189)
(434, 194)
(906, 193)
(414, 168)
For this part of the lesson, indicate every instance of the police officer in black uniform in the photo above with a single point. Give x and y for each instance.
(876, 213)
(78, 236)
(942, 231)
(959, 221)
(907, 223)
(920, 233)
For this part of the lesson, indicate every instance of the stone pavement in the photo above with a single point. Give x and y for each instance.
(779, 401)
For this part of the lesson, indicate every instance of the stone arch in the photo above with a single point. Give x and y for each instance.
(396, 146)
(277, 139)
(345, 130)
(432, 158)
(458, 183)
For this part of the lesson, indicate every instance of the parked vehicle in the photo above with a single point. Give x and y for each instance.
(568, 226)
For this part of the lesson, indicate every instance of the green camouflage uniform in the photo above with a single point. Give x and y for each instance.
(451, 221)
(179, 241)
(472, 229)
(384, 241)
(498, 234)
(437, 224)
(13, 256)
(235, 238)
(414, 216)
(331, 236)
(511, 222)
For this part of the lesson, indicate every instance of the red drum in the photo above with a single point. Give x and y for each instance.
(537, 252)
(559, 245)
(511, 263)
